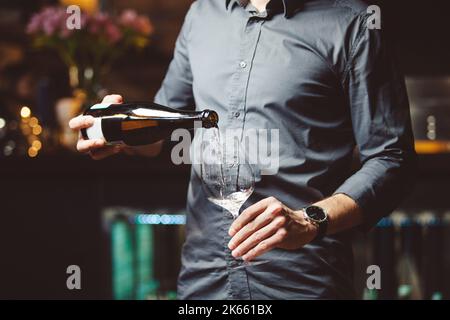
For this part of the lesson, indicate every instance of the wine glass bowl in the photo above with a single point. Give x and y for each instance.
(227, 177)
(236, 187)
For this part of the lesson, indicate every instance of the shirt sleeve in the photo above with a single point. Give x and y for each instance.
(176, 88)
(381, 123)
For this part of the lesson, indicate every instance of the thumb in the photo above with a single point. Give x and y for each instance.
(113, 98)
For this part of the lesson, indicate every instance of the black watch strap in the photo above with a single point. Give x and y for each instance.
(322, 229)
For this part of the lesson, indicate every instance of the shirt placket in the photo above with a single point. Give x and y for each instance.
(238, 282)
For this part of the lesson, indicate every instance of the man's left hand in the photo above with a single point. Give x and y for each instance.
(269, 224)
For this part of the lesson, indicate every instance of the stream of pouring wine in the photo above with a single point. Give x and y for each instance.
(217, 144)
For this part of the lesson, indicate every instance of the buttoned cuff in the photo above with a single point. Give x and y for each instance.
(358, 188)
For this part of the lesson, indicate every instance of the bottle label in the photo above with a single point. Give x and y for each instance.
(95, 131)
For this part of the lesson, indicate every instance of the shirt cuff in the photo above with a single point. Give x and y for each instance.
(358, 188)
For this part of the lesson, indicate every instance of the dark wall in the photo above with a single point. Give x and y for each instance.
(419, 29)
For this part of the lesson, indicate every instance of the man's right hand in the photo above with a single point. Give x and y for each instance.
(96, 148)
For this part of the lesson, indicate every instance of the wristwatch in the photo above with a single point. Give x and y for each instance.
(318, 217)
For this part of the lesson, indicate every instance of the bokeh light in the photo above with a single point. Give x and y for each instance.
(32, 152)
(33, 122)
(37, 130)
(25, 112)
(37, 145)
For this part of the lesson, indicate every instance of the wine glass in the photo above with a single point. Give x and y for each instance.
(227, 175)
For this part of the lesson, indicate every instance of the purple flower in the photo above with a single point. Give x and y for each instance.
(103, 25)
(113, 33)
(139, 23)
(49, 26)
(50, 21)
(34, 26)
(99, 36)
(128, 17)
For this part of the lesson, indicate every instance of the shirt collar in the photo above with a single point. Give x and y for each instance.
(289, 6)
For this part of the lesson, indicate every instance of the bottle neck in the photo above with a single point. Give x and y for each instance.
(209, 118)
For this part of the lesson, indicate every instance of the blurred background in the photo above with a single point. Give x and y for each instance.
(121, 220)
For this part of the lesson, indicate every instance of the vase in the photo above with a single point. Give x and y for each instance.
(86, 91)
(66, 109)
(87, 80)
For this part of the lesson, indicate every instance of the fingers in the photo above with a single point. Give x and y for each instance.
(258, 229)
(271, 212)
(249, 214)
(81, 122)
(99, 154)
(112, 98)
(266, 245)
(259, 236)
(88, 145)
(97, 148)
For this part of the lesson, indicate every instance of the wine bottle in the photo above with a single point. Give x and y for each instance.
(136, 124)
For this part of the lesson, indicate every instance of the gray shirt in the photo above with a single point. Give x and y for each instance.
(317, 73)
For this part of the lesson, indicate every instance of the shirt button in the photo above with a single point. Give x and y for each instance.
(242, 64)
(237, 114)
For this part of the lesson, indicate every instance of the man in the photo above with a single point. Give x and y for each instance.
(313, 70)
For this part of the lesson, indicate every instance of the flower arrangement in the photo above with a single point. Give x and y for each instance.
(90, 50)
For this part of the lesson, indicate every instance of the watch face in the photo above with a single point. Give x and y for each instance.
(316, 213)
